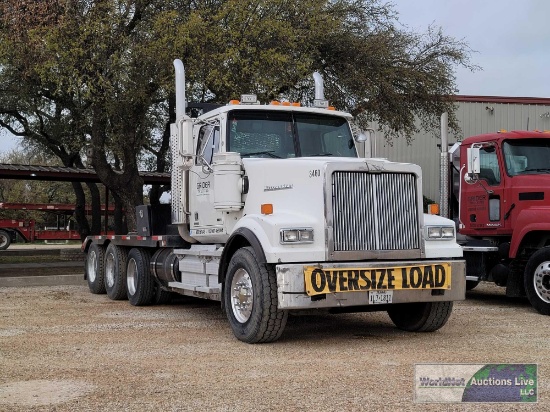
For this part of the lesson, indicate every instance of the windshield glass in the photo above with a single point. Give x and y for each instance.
(527, 156)
(274, 134)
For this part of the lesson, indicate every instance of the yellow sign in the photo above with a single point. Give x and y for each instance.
(320, 281)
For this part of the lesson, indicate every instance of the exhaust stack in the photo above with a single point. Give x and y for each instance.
(444, 166)
(320, 100)
(180, 89)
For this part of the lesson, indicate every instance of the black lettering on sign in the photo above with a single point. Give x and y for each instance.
(331, 280)
(364, 278)
(342, 280)
(428, 277)
(318, 280)
(353, 280)
(440, 276)
(391, 279)
(415, 277)
(404, 278)
(381, 279)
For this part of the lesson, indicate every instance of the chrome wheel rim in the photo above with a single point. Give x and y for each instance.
(110, 270)
(92, 265)
(131, 277)
(541, 281)
(242, 298)
(3, 240)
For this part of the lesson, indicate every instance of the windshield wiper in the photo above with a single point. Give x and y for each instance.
(265, 152)
(319, 154)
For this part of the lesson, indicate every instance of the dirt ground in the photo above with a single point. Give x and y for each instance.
(64, 349)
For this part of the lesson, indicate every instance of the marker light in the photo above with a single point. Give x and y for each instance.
(266, 209)
(433, 209)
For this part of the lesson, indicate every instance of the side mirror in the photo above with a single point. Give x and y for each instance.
(473, 165)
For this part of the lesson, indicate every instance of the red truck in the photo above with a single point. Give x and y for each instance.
(499, 197)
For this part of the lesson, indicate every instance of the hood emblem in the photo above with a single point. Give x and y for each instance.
(278, 187)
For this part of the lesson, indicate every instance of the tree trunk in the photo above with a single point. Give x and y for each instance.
(80, 210)
(96, 208)
(128, 185)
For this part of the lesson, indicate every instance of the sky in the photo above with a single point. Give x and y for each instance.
(510, 39)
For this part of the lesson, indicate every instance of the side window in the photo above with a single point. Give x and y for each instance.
(488, 162)
(208, 143)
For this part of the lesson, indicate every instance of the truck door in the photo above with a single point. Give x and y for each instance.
(483, 198)
(201, 181)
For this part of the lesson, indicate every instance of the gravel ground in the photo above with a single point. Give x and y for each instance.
(64, 349)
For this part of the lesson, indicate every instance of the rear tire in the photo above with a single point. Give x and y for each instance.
(250, 299)
(95, 269)
(115, 272)
(422, 316)
(140, 282)
(537, 280)
(5, 240)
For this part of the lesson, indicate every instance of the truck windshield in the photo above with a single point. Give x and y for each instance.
(282, 135)
(527, 156)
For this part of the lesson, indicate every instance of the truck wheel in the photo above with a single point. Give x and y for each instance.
(115, 272)
(95, 269)
(5, 240)
(141, 284)
(422, 316)
(250, 298)
(537, 280)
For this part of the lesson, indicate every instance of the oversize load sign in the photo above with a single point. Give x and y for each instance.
(320, 281)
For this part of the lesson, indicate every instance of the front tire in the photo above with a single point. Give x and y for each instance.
(115, 272)
(140, 282)
(537, 280)
(95, 269)
(421, 316)
(250, 299)
(5, 240)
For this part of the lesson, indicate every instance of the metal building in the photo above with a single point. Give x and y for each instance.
(476, 115)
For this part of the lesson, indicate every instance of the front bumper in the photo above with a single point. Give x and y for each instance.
(291, 286)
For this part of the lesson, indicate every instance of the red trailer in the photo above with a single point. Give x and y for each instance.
(27, 229)
(9, 228)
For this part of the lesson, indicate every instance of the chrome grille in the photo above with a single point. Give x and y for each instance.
(374, 211)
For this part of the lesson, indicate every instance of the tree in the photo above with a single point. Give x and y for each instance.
(99, 72)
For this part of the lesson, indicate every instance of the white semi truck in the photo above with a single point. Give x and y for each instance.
(273, 212)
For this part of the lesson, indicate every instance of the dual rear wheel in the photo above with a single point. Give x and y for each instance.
(123, 273)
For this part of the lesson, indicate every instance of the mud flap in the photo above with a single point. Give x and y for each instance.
(514, 285)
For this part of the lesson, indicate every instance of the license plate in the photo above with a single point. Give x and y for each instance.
(379, 297)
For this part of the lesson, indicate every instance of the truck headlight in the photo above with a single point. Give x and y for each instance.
(296, 235)
(440, 232)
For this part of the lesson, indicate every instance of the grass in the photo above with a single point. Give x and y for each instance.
(29, 259)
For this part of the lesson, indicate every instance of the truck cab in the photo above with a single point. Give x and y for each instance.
(503, 192)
